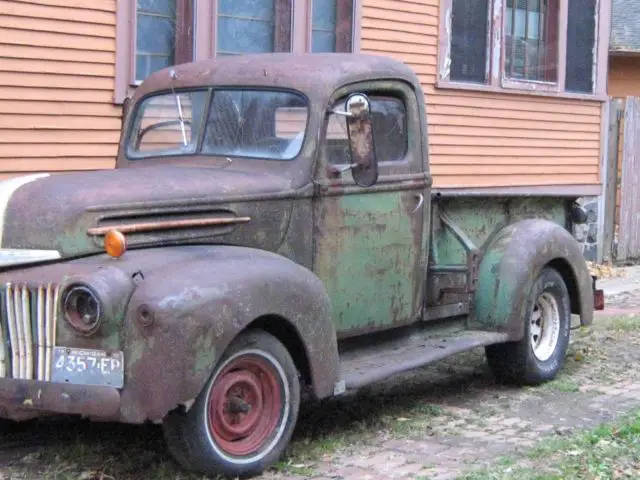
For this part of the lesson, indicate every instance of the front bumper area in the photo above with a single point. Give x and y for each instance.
(23, 399)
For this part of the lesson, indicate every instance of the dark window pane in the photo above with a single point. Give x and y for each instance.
(324, 23)
(237, 35)
(246, 26)
(389, 121)
(323, 41)
(469, 20)
(257, 9)
(162, 7)
(324, 14)
(147, 64)
(155, 36)
(581, 38)
(531, 40)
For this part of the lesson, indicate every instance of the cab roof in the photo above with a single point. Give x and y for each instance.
(315, 74)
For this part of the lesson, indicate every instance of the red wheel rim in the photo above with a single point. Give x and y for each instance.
(245, 405)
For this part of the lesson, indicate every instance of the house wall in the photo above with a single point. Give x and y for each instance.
(57, 82)
(624, 76)
(486, 139)
(57, 65)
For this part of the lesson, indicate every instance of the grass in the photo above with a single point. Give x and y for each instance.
(606, 452)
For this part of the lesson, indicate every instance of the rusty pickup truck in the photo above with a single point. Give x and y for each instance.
(270, 225)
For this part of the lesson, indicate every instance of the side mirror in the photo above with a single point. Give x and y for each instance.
(361, 144)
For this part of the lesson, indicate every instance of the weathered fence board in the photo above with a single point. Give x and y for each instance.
(629, 232)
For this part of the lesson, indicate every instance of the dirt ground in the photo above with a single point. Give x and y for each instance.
(439, 422)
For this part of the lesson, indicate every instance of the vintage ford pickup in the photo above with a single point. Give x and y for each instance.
(270, 226)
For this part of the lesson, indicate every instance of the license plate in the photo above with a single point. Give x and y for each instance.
(82, 366)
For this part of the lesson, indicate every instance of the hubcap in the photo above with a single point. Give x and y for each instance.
(545, 326)
(245, 405)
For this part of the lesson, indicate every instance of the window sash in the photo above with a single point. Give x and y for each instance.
(498, 81)
(182, 41)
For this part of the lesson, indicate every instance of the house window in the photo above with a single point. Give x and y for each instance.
(521, 45)
(331, 25)
(469, 27)
(531, 40)
(253, 26)
(163, 35)
(581, 33)
(154, 34)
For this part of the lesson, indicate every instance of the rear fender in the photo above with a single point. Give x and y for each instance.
(182, 318)
(510, 265)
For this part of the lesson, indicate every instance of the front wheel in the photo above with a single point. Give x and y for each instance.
(539, 356)
(243, 419)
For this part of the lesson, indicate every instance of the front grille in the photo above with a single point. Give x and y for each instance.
(28, 330)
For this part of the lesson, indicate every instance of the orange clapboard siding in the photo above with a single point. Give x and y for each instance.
(467, 134)
(56, 86)
(39, 9)
(55, 54)
(624, 77)
(483, 139)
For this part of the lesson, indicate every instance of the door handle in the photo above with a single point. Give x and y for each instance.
(420, 198)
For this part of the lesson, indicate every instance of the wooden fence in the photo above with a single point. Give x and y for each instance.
(622, 211)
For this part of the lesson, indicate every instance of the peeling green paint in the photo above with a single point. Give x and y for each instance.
(366, 259)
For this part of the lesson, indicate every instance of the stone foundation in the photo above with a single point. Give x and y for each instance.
(587, 233)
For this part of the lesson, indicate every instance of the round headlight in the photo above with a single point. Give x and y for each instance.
(81, 309)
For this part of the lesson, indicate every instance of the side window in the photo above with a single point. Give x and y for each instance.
(389, 119)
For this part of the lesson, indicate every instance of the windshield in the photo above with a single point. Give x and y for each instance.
(240, 123)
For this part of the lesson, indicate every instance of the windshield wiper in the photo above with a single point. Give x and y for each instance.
(179, 105)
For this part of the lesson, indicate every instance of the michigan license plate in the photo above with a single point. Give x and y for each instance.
(82, 366)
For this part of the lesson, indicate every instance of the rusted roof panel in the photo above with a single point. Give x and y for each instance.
(315, 74)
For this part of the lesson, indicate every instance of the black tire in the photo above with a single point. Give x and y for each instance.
(516, 362)
(209, 449)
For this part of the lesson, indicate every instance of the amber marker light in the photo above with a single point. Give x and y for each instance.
(115, 243)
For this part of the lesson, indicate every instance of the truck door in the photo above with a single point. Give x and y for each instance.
(370, 243)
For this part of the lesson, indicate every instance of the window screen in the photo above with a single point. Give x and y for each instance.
(581, 37)
(469, 23)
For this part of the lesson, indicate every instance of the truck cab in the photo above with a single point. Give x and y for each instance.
(271, 224)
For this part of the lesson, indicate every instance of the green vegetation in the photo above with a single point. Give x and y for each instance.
(606, 452)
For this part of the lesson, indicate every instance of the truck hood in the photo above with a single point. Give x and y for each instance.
(65, 215)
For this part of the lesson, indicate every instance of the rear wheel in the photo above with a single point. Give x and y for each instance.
(243, 419)
(540, 355)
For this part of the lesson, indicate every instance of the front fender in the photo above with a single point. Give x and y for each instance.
(183, 316)
(510, 265)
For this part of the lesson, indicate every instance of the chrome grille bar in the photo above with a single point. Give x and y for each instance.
(13, 332)
(31, 331)
(41, 338)
(50, 326)
(27, 336)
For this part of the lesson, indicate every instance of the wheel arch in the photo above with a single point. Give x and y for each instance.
(289, 336)
(563, 267)
(198, 314)
(511, 264)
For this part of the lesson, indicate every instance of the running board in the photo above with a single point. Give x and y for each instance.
(379, 360)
